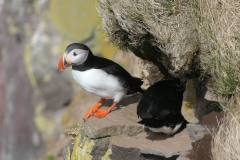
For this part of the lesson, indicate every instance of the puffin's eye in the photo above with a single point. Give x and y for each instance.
(75, 54)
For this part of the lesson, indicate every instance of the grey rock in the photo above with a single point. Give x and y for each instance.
(210, 96)
(125, 153)
(119, 136)
(150, 143)
(84, 147)
(66, 149)
(186, 156)
(202, 106)
(49, 80)
(100, 147)
(118, 122)
(198, 131)
(195, 106)
(182, 158)
(19, 137)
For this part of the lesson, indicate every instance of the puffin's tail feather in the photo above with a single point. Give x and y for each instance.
(137, 82)
(136, 86)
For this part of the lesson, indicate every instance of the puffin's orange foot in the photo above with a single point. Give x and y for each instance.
(89, 113)
(93, 109)
(101, 113)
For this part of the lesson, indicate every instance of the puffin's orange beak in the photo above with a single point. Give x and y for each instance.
(61, 64)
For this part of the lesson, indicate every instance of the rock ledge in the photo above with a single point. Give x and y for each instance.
(119, 136)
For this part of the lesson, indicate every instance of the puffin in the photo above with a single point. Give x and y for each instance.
(160, 107)
(98, 76)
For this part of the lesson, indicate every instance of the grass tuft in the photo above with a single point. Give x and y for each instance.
(164, 24)
(219, 32)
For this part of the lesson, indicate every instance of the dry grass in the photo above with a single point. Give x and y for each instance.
(150, 73)
(181, 28)
(72, 133)
(219, 37)
(166, 24)
(219, 28)
(226, 140)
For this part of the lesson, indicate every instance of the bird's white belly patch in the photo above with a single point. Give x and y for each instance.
(167, 130)
(99, 83)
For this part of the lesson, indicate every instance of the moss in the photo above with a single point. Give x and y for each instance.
(73, 18)
(50, 157)
(82, 149)
(189, 95)
(78, 21)
(12, 29)
(106, 155)
(188, 103)
(44, 125)
(75, 148)
(68, 153)
(28, 63)
(65, 118)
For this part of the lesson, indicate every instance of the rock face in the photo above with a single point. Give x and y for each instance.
(33, 94)
(194, 105)
(119, 136)
(19, 137)
(198, 131)
(202, 133)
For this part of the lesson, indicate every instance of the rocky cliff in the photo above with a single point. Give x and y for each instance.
(34, 95)
(174, 38)
(119, 136)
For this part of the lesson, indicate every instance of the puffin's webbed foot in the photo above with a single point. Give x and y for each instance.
(103, 113)
(93, 109)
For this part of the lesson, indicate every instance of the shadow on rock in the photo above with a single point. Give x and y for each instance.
(156, 136)
(127, 100)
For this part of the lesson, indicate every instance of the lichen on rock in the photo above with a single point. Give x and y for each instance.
(194, 105)
(119, 136)
(188, 103)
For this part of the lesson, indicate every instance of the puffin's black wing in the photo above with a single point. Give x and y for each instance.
(110, 67)
(162, 101)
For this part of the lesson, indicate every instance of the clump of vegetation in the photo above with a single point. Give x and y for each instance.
(73, 132)
(151, 74)
(159, 31)
(179, 35)
(219, 36)
(226, 140)
(50, 157)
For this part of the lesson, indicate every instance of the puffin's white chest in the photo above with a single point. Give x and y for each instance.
(99, 83)
(167, 130)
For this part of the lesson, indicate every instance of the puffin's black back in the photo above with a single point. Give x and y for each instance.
(162, 101)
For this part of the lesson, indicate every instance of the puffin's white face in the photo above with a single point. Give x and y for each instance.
(76, 56)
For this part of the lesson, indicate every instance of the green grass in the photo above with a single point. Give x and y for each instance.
(50, 157)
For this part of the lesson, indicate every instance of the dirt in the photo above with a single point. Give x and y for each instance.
(212, 119)
(202, 148)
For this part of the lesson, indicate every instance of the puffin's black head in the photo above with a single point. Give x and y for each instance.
(75, 54)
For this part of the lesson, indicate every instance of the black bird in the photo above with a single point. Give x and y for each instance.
(99, 76)
(160, 106)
